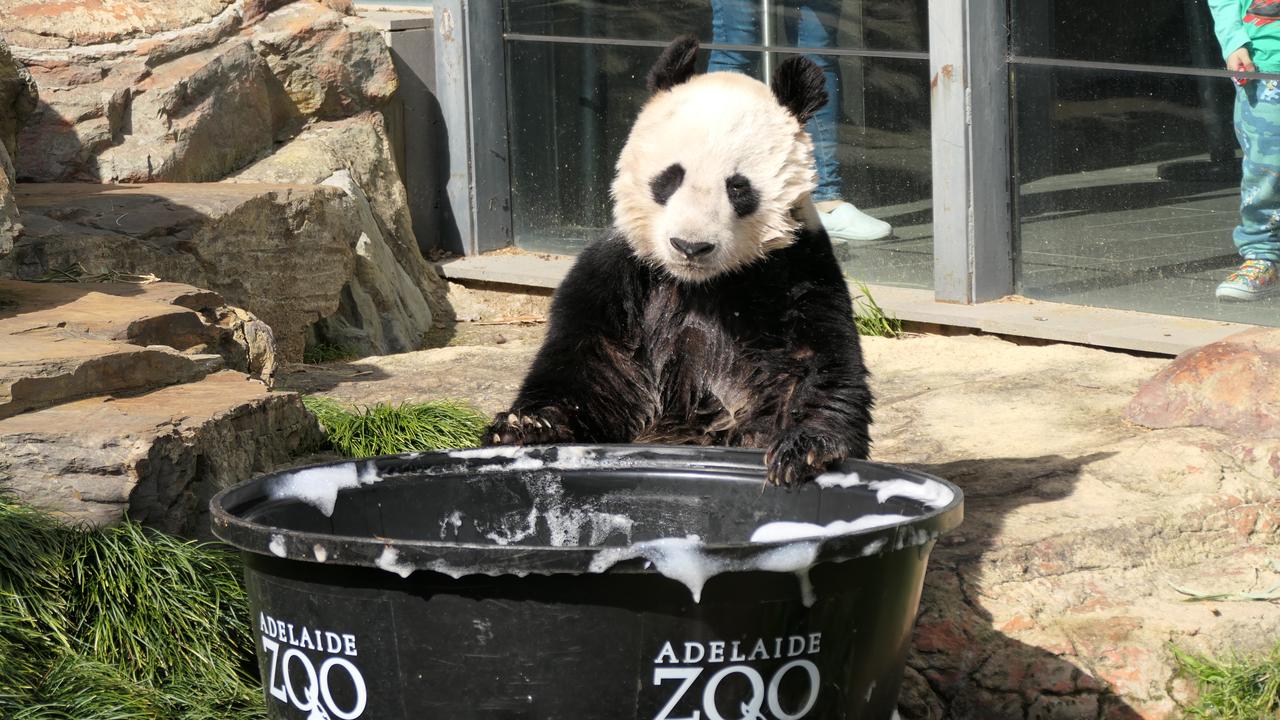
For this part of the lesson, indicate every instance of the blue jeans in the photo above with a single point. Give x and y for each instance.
(810, 25)
(1257, 120)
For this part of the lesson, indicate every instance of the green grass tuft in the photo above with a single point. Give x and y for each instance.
(1233, 688)
(321, 353)
(120, 623)
(870, 318)
(386, 430)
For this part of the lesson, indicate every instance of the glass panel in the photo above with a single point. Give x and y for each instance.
(572, 107)
(882, 165)
(874, 24)
(869, 24)
(1149, 32)
(1130, 191)
(647, 20)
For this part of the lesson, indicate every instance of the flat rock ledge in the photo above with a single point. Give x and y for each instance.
(137, 400)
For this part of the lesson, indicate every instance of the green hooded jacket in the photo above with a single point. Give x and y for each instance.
(1234, 33)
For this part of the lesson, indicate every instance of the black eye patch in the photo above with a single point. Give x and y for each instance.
(664, 184)
(742, 196)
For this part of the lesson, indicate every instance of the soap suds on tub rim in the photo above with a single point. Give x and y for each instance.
(784, 531)
(389, 560)
(686, 561)
(277, 546)
(930, 493)
(319, 486)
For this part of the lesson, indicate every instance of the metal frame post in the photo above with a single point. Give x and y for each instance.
(972, 220)
(471, 86)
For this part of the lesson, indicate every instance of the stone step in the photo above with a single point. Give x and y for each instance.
(282, 252)
(45, 368)
(66, 341)
(157, 457)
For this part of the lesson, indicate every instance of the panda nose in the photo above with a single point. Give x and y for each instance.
(692, 249)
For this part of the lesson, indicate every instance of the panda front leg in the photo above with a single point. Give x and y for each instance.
(820, 404)
(589, 392)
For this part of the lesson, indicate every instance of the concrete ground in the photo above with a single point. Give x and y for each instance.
(1056, 598)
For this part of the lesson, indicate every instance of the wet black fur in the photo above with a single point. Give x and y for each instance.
(800, 87)
(675, 65)
(766, 356)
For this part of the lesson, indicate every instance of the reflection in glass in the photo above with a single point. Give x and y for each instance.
(863, 24)
(1147, 32)
(1129, 191)
(648, 20)
(572, 106)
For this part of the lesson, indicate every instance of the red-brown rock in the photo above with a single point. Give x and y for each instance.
(1232, 385)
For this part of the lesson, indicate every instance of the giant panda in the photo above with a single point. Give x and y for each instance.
(713, 312)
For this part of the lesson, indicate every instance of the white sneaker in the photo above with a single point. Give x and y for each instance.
(847, 222)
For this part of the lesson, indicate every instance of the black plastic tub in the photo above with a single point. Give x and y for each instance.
(583, 583)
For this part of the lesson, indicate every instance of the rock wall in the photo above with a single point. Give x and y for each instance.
(17, 99)
(259, 91)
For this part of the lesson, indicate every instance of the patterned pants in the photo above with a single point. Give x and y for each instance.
(1257, 120)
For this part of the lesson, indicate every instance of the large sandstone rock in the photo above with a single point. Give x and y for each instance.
(156, 458)
(392, 281)
(17, 100)
(284, 253)
(57, 23)
(184, 92)
(1232, 385)
(125, 318)
(1056, 598)
(9, 223)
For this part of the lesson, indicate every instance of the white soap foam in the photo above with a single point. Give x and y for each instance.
(686, 561)
(838, 480)
(277, 546)
(605, 525)
(319, 487)
(389, 560)
(513, 527)
(786, 531)
(453, 520)
(320, 553)
(930, 492)
(488, 453)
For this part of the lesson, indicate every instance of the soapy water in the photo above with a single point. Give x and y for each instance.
(565, 521)
(686, 560)
(929, 493)
(785, 531)
(319, 486)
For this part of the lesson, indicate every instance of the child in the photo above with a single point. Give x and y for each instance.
(1249, 33)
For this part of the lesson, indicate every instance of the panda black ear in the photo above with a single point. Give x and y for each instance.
(800, 87)
(675, 65)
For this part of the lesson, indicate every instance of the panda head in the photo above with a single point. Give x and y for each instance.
(717, 166)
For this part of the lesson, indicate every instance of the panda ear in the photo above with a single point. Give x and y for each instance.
(675, 65)
(800, 87)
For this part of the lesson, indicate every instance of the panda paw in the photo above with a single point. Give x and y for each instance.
(541, 426)
(799, 457)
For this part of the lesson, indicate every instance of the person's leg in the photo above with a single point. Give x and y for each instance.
(813, 24)
(1257, 237)
(734, 22)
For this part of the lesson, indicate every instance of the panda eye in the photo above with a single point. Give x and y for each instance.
(742, 196)
(664, 184)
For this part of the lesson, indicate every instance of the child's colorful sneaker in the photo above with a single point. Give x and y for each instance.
(1254, 280)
